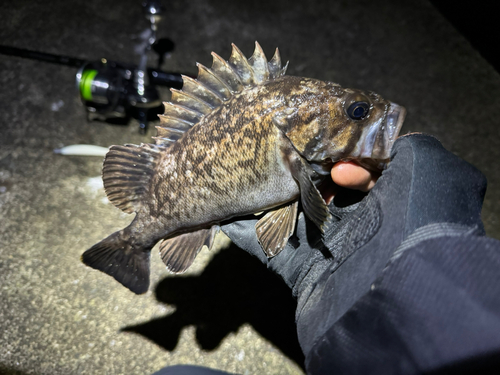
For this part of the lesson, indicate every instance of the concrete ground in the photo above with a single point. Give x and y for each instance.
(58, 316)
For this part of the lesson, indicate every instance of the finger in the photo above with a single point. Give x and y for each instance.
(352, 176)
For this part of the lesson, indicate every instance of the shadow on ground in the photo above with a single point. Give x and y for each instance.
(234, 289)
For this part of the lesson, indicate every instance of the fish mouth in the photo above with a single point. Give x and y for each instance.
(382, 135)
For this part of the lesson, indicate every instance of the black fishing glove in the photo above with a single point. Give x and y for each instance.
(426, 192)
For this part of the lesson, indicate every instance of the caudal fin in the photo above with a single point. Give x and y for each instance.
(118, 258)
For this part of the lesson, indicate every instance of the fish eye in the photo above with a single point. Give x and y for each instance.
(358, 110)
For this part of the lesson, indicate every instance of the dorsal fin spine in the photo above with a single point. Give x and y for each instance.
(275, 65)
(201, 91)
(240, 64)
(222, 68)
(182, 124)
(211, 80)
(283, 71)
(181, 112)
(259, 64)
(184, 108)
(191, 101)
(163, 130)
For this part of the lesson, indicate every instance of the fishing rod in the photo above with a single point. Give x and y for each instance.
(114, 91)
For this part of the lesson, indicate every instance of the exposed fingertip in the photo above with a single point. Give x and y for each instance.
(352, 176)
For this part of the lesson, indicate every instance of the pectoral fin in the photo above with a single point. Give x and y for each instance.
(178, 253)
(275, 228)
(313, 203)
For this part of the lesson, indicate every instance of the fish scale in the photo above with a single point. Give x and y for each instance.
(240, 139)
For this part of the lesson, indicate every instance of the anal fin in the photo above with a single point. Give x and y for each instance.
(275, 228)
(179, 252)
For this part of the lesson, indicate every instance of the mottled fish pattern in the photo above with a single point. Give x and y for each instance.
(240, 139)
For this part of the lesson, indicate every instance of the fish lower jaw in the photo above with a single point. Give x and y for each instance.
(392, 126)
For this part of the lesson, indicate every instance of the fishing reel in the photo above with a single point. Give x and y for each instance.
(114, 92)
(110, 93)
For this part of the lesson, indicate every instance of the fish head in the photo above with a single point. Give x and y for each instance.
(374, 123)
(345, 124)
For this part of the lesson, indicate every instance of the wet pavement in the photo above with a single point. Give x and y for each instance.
(58, 316)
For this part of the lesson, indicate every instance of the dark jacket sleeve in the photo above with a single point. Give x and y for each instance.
(434, 309)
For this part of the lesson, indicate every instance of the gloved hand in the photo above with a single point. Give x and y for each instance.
(425, 192)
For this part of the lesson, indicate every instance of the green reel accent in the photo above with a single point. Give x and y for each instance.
(86, 84)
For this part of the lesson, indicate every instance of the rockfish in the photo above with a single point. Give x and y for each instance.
(242, 138)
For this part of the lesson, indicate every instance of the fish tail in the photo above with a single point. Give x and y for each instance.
(126, 261)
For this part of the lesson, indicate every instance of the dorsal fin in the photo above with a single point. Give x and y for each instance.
(213, 87)
(126, 174)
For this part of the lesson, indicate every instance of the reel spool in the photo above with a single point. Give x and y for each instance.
(102, 89)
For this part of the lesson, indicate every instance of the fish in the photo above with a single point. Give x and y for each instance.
(240, 139)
